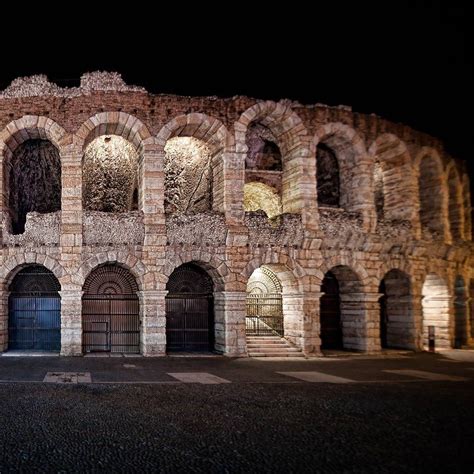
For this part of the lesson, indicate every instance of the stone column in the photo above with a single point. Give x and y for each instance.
(229, 321)
(311, 340)
(153, 322)
(71, 322)
(3, 319)
(360, 315)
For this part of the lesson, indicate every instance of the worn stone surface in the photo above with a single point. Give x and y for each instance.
(404, 205)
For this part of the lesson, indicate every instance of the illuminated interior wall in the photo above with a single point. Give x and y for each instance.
(110, 175)
(263, 282)
(259, 196)
(188, 176)
(34, 181)
(400, 327)
(436, 302)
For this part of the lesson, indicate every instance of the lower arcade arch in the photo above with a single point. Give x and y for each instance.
(264, 314)
(110, 311)
(436, 302)
(34, 310)
(342, 313)
(397, 329)
(190, 310)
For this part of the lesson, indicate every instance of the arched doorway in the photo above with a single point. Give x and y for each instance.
(264, 304)
(189, 310)
(330, 315)
(110, 311)
(34, 310)
(396, 321)
(342, 311)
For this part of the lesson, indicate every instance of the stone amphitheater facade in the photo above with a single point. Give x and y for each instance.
(398, 226)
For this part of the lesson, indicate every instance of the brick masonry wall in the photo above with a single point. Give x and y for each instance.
(350, 240)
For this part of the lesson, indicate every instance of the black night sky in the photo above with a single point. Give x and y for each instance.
(407, 61)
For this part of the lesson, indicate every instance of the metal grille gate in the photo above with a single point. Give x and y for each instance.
(189, 323)
(330, 314)
(110, 323)
(34, 311)
(264, 315)
(189, 310)
(110, 311)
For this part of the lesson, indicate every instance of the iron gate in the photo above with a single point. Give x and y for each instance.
(189, 323)
(264, 315)
(189, 310)
(34, 311)
(110, 311)
(34, 323)
(110, 323)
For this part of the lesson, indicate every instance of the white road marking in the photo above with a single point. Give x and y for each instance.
(67, 377)
(198, 377)
(427, 375)
(316, 377)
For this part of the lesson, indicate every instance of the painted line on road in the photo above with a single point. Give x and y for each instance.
(428, 375)
(198, 377)
(67, 377)
(316, 377)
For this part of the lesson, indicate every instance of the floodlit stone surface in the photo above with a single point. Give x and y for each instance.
(352, 195)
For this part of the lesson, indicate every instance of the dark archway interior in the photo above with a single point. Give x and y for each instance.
(330, 313)
(263, 151)
(327, 175)
(34, 181)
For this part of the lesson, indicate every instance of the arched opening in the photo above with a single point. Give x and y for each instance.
(110, 311)
(264, 304)
(435, 304)
(461, 313)
(330, 315)
(431, 195)
(34, 310)
(342, 312)
(396, 318)
(327, 176)
(33, 182)
(190, 310)
(263, 171)
(188, 176)
(110, 175)
(394, 185)
(455, 204)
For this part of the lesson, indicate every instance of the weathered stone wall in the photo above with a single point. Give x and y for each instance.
(420, 231)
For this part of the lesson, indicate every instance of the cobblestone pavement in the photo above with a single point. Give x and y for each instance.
(374, 415)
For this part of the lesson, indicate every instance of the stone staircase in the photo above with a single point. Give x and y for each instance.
(271, 346)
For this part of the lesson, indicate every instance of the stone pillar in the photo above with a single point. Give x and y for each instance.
(153, 322)
(229, 321)
(417, 315)
(360, 316)
(71, 199)
(3, 319)
(311, 341)
(71, 322)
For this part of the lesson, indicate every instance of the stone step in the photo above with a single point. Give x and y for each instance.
(274, 349)
(269, 343)
(265, 339)
(276, 354)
